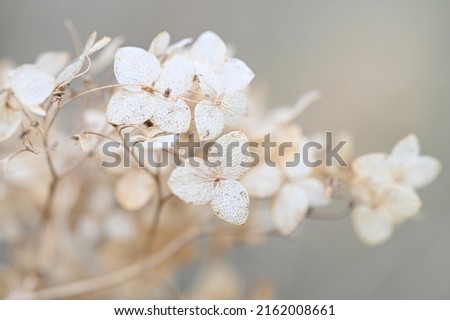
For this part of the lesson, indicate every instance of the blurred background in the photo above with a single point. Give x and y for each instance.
(383, 68)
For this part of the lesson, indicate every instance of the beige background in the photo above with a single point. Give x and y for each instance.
(384, 70)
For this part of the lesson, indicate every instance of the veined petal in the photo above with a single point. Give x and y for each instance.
(172, 116)
(194, 185)
(422, 171)
(373, 227)
(209, 48)
(208, 80)
(235, 75)
(262, 181)
(52, 62)
(406, 149)
(69, 72)
(209, 120)
(289, 208)
(177, 75)
(134, 189)
(233, 162)
(235, 107)
(160, 44)
(231, 202)
(126, 107)
(135, 65)
(31, 85)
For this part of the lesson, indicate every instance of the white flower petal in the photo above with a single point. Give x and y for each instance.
(406, 149)
(235, 75)
(295, 172)
(315, 191)
(100, 44)
(289, 208)
(208, 80)
(233, 162)
(400, 202)
(171, 116)
(262, 181)
(89, 43)
(209, 120)
(9, 119)
(209, 48)
(235, 107)
(52, 62)
(135, 65)
(160, 44)
(231, 202)
(30, 85)
(69, 73)
(422, 172)
(178, 45)
(177, 76)
(191, 184)
(373, 167)
(372, 227)
(36, 109)
(126, 107)
(134, 189)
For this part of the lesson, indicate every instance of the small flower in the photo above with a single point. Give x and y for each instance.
(404, 165)
(157, 90)
(216, 185)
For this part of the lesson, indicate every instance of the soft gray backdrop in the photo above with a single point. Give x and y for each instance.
(384, 70)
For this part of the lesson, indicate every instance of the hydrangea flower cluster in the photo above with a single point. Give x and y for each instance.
(57, 119)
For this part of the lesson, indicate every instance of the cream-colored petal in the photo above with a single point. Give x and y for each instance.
(373, 167)
(400, 202)
(422, 171)
(100, 44)
(209, 48)
(126, 107)
(235, 75)
(208, 80)
(52, 62)
(315, 191)
(235, 107)
(406, 149)
(31, 85)
(262, 181)
(231, 202)
(177, 76)
(289, 208)
(233, 162)
(134, 189)
(171, 116)
(160, 44)
(9, 119)
(209, 120)
(194, 185)
(69, 73)
(135, 65)
(373, 227)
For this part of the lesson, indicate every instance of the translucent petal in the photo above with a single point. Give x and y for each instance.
(134, 189)
(406, 149)
(89, 43)
(315, 191)
(235, 75)
(422, 171)
(135, 65)
(126, 107)
(69, 72)
(209, 120)
(209, 48)
(194, 185)
(289, 208)
(233, 160)
(208, 80)
(177, 76)
(9, 119)
(160, 44)
(373, 167)
(100, 44)
(372, 227)
(262, 181)
(231, 202)
(30, 85)
(178, 45)
(235, 107)
(400, 202)
(52, 62)
(172, 116)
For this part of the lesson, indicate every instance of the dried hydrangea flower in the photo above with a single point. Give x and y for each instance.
(216, 185)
